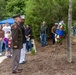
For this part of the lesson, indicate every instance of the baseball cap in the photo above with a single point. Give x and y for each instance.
(56, 23)
(16, 16)
(22, 16)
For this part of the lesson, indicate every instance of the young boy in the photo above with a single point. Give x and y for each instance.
(8, 40)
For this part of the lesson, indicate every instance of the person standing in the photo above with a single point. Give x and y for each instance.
(23, 50)
(16, 44)
(1, 38)
(7, 41)
(74, 30)
(28, 35)
(53, 30)
(43, 34)
(6, 28)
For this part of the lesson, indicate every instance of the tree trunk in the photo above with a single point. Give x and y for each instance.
(69, 31)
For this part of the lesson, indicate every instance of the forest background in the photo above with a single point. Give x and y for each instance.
(36, 11)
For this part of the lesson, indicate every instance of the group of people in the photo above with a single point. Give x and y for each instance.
(57, 33)
(16, 39)
(5, 38)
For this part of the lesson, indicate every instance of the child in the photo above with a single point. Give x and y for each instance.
(8, 40)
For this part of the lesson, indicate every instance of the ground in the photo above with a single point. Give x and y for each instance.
(49, 60)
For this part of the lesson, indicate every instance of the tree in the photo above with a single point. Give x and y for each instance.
(36, 11)
(49, 10)
(3, 11)
(69, 31)
(15, 7)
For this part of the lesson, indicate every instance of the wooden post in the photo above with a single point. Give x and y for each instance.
(69, 31)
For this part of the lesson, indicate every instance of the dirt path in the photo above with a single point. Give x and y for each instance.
(49, 60)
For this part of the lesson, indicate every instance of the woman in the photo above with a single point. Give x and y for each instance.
(1, 37)
(28, 35)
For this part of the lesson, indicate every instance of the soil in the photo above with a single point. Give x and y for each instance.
(49, 60)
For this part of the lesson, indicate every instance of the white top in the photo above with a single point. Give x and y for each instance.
(6, 28)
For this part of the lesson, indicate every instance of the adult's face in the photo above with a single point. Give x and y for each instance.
(27, 26)
(56, 26)
(44, 23)
(18, 19)
(0, 27)
(22, 20)
(6, 24)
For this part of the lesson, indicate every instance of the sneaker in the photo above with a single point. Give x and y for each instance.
(9, 56)
(0, 54)
(23, 62)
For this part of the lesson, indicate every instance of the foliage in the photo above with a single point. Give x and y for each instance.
(15, 7)
(33, 51)
(37, 11)
(2, 10)
(65, 29)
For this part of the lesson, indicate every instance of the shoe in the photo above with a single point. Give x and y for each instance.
(23, 62)
(9, 56)
(20, 69)
(15, 72)
(0, 54)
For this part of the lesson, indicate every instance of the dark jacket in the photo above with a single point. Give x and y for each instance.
(16, 36)
(28, 31)
(1, 34)
(43, 29)
(23, 32)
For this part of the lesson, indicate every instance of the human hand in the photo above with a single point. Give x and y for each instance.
(0, 39)
(15, 46)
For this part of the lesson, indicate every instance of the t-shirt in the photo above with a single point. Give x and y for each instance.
(5, 29)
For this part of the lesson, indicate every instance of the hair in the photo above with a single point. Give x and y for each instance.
(43, 23)
(1, 27)
(28, 25)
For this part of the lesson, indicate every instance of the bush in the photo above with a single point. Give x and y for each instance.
(33, 51)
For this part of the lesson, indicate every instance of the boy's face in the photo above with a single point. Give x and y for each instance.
(9, 36)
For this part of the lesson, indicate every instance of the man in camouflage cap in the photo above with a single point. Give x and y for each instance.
(16, 43)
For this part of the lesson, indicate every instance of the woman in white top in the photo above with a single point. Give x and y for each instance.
(6, 28)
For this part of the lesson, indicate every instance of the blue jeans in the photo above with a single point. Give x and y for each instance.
(3, 47)
(6, 45)
(43, 39)
(75, 31)
(53, 38)
(1, 44)
(28, 45)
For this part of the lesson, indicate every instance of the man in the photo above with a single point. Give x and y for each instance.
(16, 43)
(43, 34)
(53, 30)
(23, 50)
